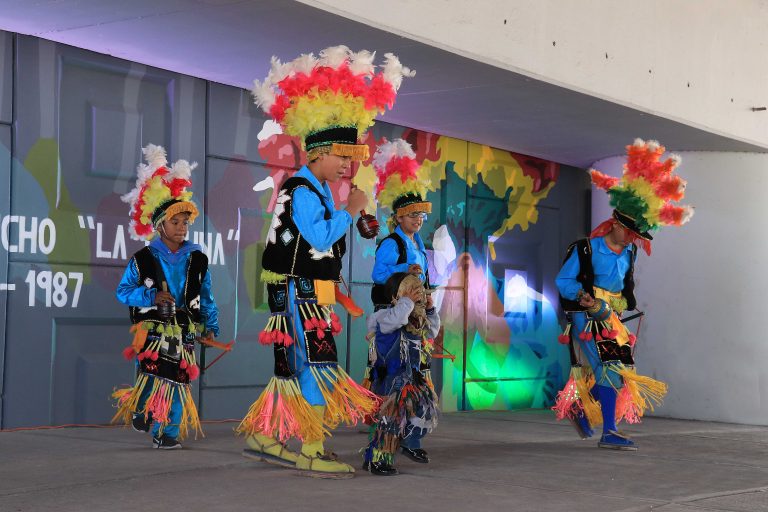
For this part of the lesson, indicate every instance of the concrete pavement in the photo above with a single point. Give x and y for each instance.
(481, 461)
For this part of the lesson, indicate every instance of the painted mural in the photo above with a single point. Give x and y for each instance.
(480, 195)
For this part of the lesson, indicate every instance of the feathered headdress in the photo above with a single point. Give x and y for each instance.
(643, 197)
(400, 184)
(160, 193)
(329, 102)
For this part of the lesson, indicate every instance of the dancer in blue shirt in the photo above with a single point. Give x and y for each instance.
(167, 288)
(596, 284)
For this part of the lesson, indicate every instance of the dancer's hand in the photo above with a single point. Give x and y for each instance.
(586, 301)
(162, 296)
(356, 201)
(415, 269)
(430, 301)
(415, 294)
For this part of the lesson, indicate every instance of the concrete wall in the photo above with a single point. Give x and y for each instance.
(700, 62)
(703, 290)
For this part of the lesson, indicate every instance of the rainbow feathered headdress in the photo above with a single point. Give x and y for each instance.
(400, 181)
(329, 102)
(160, 193)
(643, 197)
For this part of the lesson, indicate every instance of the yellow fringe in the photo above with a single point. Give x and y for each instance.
(128, 403)
(645, 391)
(310, 426)
(344, 402)
(358, 152)
(423, 206)
(584, 381)
(182, 207)
(189, 415)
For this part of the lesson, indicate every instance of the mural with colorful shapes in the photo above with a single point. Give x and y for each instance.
(480, 194)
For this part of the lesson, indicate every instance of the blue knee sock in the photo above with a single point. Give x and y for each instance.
(607, 397)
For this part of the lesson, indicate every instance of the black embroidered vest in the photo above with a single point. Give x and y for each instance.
(288, 252)
(151, 273)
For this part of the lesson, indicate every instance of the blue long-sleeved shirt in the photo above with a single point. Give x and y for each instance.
(609, 267)
(132, 292)
(387, 255)
(308, 214)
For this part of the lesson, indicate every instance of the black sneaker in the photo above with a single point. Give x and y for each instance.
(380, 468)
(140, 424)
(165, 442)
(417, 455)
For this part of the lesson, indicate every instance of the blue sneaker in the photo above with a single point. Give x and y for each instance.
(582, 426)
(616, 441)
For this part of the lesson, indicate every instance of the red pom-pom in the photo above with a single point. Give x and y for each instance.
(193, 371)
(183, 364)
(334, 317)
(273, 336)
(588, 336)
(632, 340)
(563, 339)
(583, 335)
(613, 334)
(320, 334)
(605, 333)
(288, 341)
(308, 325)
(263, 338)
(154, 356)
(142, 356)
(129, 353)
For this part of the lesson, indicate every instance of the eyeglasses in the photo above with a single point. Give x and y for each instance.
(416, 215)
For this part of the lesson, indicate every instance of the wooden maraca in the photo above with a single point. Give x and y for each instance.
(367, 225)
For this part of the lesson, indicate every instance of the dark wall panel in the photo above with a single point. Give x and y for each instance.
(6, 76)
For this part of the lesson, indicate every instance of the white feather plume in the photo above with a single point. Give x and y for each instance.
(144, 172)
(304, 63)
(334, 56)
(263, 95)
(181, 169)
(362, 63)
(130, 197)
(132, 232)
(155, 156)
(278, 71)
(393, 71)
(389, 150)
(689, 211)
